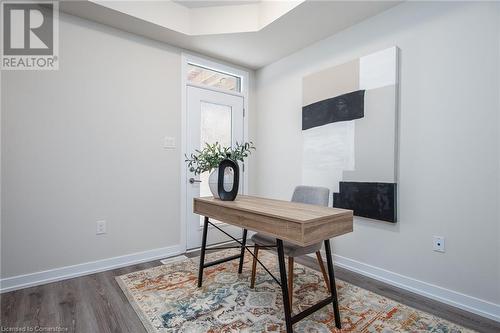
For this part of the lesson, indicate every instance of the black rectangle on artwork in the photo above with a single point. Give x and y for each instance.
(345, 107)
(372, 200)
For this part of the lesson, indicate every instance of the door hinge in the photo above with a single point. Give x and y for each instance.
(243, 167)
(243, 112)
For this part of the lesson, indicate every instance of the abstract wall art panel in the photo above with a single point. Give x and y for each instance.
(349, 127)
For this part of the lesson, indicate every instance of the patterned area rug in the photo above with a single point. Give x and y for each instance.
(167, 299)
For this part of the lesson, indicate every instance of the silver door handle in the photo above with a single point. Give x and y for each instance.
(192, 180)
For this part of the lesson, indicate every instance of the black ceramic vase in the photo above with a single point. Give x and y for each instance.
(223, 194)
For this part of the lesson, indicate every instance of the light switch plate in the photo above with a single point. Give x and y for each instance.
(169, 142)
(100, 227)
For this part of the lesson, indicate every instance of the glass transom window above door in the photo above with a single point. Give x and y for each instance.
(211, 78)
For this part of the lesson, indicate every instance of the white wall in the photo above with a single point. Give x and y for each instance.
(449, 142)
(85, 143)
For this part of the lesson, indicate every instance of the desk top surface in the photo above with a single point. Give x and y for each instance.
(299, 223)
(291, 211)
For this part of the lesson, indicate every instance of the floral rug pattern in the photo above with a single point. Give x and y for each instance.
(167, 300)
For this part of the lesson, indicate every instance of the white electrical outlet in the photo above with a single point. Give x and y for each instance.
(100, 227)
(438, 243)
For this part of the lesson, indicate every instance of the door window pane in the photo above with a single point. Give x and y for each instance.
(215, 127)
(211, 78)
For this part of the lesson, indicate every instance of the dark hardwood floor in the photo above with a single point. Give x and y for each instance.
(95, 303)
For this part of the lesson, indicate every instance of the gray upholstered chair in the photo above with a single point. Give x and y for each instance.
(304, 194)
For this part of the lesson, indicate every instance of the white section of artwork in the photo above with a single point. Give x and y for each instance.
(378, 69)
(328, 150)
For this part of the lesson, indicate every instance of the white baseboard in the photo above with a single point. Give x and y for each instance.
(447, 296)
(68, 272)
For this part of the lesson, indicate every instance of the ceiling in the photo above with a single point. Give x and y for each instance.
(208, 3)
(303, 25)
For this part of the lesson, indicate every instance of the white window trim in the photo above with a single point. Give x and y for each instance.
(188, 58)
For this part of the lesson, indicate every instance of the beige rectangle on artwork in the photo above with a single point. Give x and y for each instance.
(330, 82)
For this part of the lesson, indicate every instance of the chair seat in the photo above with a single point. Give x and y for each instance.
(291, 250)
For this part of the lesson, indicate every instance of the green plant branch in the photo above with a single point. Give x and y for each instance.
(211, 155)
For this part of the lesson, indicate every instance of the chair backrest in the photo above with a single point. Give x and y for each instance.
(312, 195)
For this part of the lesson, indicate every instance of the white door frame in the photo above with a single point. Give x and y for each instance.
(187, 58)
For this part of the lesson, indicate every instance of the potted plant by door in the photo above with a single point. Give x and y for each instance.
(209, 158)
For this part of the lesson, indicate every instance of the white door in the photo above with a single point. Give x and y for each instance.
(212, 116)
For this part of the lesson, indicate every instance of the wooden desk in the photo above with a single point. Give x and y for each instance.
(297, 223)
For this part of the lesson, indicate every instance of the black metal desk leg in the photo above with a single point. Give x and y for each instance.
(202, 252)
(333, 288)
(284, 286)
(243, 243)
